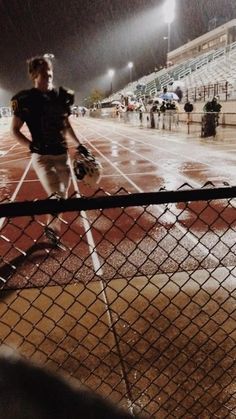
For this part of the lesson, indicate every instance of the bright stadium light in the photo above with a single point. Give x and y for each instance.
(169, 15)
(169, 11)
(130, 66)
(111, 73)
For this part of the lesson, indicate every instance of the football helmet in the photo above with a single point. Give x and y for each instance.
(86, 167)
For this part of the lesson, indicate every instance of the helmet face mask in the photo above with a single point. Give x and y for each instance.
(87, 169)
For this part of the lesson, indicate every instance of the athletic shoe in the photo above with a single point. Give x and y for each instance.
(52, 236)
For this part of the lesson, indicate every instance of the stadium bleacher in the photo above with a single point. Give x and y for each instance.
(213, 67)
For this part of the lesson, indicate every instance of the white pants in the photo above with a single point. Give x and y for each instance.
(54, 175)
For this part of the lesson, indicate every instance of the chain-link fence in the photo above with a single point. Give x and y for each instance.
(138, 300)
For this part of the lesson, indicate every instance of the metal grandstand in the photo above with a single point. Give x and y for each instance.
(216, 65)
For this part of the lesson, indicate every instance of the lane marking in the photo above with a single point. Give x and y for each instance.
(87, 228)
(169, 217)
(119, 130)
(184, 178)
(225, 171)
(96, 262)
(12, 199)
(13, 160)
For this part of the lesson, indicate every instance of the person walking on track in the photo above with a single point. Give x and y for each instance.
(46, 111)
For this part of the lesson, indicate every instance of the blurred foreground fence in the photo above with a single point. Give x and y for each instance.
(138, 302)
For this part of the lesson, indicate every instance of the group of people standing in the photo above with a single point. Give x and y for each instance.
(210, 118)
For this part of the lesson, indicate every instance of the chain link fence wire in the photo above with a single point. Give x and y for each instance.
(138, 300)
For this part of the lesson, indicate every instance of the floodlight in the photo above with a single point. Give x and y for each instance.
(111, 72)
(169, 11)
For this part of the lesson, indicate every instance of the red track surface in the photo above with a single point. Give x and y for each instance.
(133, 158)
(138, 160)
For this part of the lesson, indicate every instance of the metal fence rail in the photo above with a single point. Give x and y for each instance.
(139, 301)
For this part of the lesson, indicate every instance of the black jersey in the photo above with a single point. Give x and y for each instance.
(45, 114)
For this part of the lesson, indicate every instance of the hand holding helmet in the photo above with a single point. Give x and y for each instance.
(86, 167)
(83, 150)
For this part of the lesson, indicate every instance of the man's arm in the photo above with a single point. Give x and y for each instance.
(70, 132)
(16, 126)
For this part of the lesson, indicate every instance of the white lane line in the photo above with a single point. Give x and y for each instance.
(121, 131)
(169, 217)
(96, 262)
(184, 178)
(18, 151)
(17, 181)
(5, 144)
(16, 154)
(113, 165)
(87, 227)
(4, 153)
(225, 173)
(21, 180)
(2, 220)
(13, 160)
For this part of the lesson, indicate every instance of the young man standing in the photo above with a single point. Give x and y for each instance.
(46, 111)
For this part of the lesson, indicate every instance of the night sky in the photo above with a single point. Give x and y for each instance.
(88, 37)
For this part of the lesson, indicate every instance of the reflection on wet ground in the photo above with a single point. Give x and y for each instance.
(159, 326)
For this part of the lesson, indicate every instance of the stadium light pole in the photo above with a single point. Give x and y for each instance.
(111, 73)
(169, 15)
(130, 66)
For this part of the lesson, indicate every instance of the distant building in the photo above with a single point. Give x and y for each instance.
(216, 38)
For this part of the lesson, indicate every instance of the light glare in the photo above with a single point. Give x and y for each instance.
(49, 55)
(169, 11)
(111, 72)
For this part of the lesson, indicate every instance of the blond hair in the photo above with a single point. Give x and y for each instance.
(35, 64)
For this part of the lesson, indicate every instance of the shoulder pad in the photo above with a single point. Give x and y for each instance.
(21, 95)
(66, 95)
(18, 100)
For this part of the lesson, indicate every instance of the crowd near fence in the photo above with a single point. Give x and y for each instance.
(170, 120)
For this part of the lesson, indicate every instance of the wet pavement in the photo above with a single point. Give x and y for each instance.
(135, 158)
(163, 341)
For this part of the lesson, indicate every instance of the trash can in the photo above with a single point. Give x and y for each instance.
(208, 125)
